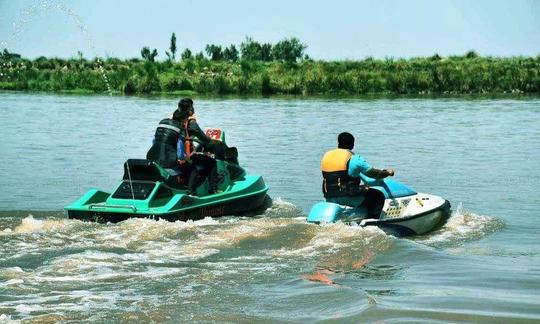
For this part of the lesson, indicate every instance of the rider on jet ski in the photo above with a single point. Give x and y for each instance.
(168, 145)
(218, 148)
(204, 156)
(173, 149)
(341, 170)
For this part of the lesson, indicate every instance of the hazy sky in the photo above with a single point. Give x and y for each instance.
(331, 29)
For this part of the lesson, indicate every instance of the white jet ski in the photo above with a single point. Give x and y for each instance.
(405, 211)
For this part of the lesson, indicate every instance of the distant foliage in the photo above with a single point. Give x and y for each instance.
(214, 52)
(6, 55)
(148, 55)
(265, 69)
(266, 52)
(231, 54)
(199, 56)
(288, 50)
(251, 50)
(171, 54)
(471, 54)
(186, 54)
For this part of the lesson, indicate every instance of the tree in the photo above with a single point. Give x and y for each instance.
(214, 52)
(8, 56)
(471, 54)
(186, 54)
(266, 52)
(288, 50)
(435, 57)
(172, 54)
(230, 53)
(199, 56)
(250, 49)
(148, 55)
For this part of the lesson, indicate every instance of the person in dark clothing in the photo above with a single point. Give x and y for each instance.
(186, 106)
(168, 145)
(341, 170)
(194, 131)
(204, 164)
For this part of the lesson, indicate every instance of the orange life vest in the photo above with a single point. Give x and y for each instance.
(188, 143)
(336, 179)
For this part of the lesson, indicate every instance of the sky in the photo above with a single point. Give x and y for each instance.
(332, 30)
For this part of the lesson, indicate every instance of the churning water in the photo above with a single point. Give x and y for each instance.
(482, 266)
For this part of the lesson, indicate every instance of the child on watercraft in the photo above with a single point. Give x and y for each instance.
(341, 170)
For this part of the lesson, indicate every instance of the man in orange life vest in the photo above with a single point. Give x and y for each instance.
(341, 170)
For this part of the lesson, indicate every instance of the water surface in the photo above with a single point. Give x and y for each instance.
(483, 266)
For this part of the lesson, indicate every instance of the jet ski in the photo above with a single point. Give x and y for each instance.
(405, 212)
(149, 191)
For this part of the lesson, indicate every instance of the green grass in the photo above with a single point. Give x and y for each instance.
(469, 74)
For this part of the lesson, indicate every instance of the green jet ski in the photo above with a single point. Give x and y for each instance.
(149, 191)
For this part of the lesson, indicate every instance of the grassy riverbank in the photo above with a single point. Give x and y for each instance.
(468, 74)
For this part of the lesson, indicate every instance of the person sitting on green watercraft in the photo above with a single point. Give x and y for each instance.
(341, 170)
(194, 132)
(203, 158)
(168, 149)
(191, 127)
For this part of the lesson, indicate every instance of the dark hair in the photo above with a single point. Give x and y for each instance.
(345, 141)
(185, 103)
(179, 115)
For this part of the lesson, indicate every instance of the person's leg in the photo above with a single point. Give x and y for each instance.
(195, 180)
(203, 165)
(374, 202)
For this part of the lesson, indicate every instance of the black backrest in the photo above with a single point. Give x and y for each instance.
(140, 169)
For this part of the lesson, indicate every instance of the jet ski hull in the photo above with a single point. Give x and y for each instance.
(241, 206)
(418, 224)
(145, 193)
(405, 211)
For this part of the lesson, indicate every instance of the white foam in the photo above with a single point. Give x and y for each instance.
(6, 319)
(332, 237)
(11, 282)
(282, 208)
(31, 225)
(462, 225)
(12, 273)
(60, 302)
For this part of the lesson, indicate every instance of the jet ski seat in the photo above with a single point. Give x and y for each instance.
(146, 170)
(143, 170)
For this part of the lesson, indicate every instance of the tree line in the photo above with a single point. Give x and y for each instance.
(267, 69)
(287, 50)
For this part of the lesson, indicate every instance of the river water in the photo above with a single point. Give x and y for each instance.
(482, 266)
